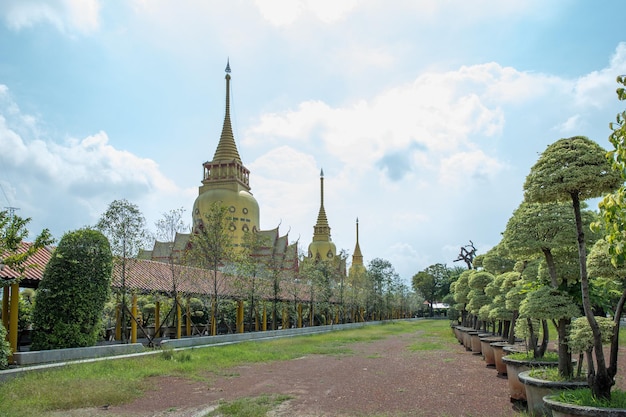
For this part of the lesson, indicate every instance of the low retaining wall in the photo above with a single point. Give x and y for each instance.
(241, 337)
(64, 355)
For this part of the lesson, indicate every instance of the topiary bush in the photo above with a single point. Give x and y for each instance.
(73, 292)
(5, 348)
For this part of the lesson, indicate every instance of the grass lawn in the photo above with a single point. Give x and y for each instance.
(119, 381)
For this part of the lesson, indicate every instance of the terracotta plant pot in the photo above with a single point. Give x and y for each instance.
(498, 354)
(560, 409)
(537, 388)
(487, 350)
(514, 367)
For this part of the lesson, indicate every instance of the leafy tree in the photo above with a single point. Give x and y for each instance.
(548, 230)
(430, 283)
(13, 231)
(167, 227)
(250, 280)
(73, 291)
(381, 276)
(476, 297)
(575, 169)
(211, 248)
(125, 227)
(497, 260)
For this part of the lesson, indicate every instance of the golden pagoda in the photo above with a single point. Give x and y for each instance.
(322, 246)
(357, 266)
(227, 181)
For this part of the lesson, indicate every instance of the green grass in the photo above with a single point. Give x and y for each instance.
(585, 398)
(249, 407)
(119, 381)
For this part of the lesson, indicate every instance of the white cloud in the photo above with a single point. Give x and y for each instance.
(69, 184)
(598, 87)
(65, 15)
(286, 12)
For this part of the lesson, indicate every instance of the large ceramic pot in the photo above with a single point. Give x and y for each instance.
(560, 409)
(487, 350)
(475, 341)
(537, 388)
(514, 367)
(498, 354)
(467, 338)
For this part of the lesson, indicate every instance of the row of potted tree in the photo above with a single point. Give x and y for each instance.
(539, 277)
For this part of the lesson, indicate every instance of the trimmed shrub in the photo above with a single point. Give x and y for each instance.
(5, 348)
(73, 292)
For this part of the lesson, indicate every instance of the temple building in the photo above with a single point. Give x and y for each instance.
(226, 181)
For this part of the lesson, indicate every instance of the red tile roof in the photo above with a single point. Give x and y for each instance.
(36, 264)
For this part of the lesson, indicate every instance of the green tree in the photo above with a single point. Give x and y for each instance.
(575, 169)
(73, 291)
(211, 248)
(613, 218)
(167, 227)
(125, 227)
(251, 281)
(381, 276)
(13, 231)
(548, 231)
(431, 282)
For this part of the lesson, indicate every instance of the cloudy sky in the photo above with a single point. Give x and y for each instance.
(425, 116)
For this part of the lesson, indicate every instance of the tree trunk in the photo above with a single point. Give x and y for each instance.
(566, 368)
(600, 382)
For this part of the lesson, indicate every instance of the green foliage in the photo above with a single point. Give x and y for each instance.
(547, 303)
(73, 291)
(612, 205)
(125, 227)
(5, 348)
(570, 166)
(12, 232)
(584, 397)
(580, 338)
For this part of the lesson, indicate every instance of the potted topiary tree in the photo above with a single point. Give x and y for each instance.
(575, 169)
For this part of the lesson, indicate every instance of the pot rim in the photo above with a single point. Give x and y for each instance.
(581, 410)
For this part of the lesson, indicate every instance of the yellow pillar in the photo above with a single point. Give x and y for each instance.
(157, 319)
(285, 318)
(337, 316)
(264, 321)
(13, 319)
(5, 306)
(213, 323)
(179, 319)
(312, 315)
(188, 322)
(256, 321)
(118, 323)
(133, 320)
(299, 315)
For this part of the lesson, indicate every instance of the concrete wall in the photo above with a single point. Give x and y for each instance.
(65, 355)
(240, 337)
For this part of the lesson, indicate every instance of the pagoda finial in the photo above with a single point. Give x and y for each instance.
(226, 148)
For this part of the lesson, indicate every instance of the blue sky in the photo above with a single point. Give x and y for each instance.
(425, 116)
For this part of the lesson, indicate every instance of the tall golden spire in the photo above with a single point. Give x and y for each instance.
(226, 148)
(321, 231)
(357, 257)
